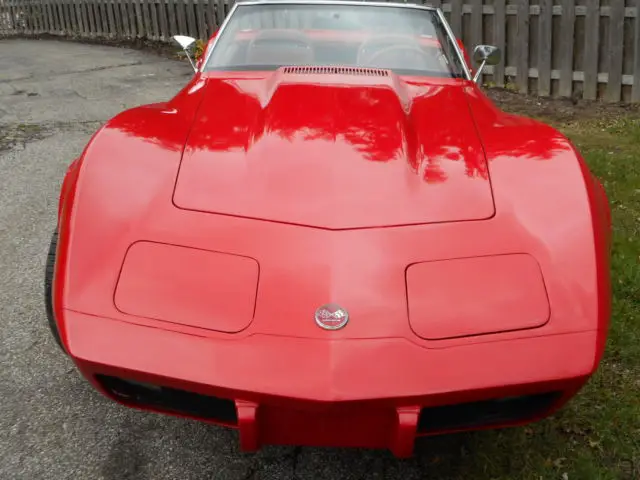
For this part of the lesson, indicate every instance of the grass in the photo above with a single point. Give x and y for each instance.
(597, 435)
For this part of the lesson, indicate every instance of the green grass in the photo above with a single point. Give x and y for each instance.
(597, 435)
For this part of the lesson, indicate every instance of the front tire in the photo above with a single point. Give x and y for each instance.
(48, 289)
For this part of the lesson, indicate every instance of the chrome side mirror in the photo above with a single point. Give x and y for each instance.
(485, 55)
(186, 42)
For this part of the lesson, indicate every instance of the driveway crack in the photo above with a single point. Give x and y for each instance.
(75, 72)
(16, 79)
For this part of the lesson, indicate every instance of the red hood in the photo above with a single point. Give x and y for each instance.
(363, 152)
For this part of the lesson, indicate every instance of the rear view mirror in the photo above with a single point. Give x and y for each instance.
(485, 55)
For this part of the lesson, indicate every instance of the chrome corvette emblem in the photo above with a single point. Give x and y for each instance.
(331, 317)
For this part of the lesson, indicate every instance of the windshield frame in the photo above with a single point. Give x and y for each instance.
(359, 3)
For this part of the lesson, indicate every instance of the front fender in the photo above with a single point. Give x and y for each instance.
(139, 149)
(157, 122)
(542, 182)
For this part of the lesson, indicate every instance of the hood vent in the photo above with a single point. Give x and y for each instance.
(312, 70)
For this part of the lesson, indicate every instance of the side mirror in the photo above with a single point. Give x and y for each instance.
(185, 43)
(485, 55)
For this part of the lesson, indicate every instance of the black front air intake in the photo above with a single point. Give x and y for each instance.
(171, 400)
(485, 413)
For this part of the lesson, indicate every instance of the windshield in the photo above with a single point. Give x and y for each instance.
(409, 41)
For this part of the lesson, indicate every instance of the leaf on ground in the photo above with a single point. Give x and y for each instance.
(559, 462)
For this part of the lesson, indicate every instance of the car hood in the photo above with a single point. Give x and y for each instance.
(335, 152)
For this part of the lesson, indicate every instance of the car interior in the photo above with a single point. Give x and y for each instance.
(361, 37)
(278, 47)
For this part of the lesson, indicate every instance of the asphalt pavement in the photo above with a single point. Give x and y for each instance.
(53, 425)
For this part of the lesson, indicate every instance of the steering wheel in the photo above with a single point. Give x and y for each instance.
(368, 54)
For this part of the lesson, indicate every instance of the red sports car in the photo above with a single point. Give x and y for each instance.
(331, 236)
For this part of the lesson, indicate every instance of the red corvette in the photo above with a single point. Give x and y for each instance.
(331, 236)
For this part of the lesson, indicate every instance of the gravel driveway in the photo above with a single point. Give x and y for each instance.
(53, 96)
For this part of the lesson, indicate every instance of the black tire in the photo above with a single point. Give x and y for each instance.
(48, 288)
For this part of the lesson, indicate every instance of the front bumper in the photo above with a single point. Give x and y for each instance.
(374, 393)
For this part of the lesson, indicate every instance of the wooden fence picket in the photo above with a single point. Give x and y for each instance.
(155, 19)
(455, 18)
(545, 38)
(171, 13)
(201, 18)
(164, 25)
(635, 91)
(220, 11)
(191, 19)
(500, 39)
(181, 13)
(522, 47)
(124, 18)
(616, 45)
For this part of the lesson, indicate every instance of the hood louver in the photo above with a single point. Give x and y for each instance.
(312, 70)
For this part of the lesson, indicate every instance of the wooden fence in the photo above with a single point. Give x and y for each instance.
(582, 48)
